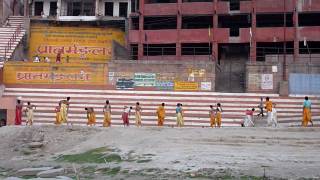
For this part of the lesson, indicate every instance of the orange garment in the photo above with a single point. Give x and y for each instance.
(269, 106)
(161, 113)
(218, 119)
(306, 117)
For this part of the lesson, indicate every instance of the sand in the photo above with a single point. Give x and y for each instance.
(170, 153)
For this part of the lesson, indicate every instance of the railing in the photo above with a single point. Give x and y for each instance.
(11, 41)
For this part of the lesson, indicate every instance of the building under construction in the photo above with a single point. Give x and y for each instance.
(229, 32)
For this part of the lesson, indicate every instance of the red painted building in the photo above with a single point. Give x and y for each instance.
(224, 29)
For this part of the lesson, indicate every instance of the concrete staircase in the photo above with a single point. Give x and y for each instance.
(7, 33)
(195, 104)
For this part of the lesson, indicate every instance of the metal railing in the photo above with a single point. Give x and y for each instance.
(11, 41)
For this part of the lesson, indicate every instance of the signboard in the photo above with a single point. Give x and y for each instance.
(186, 86)
(206, 86)
(165, 85)
(145, 79)
(266, 81)
(44, 73)
(123, 83)
(75, 43)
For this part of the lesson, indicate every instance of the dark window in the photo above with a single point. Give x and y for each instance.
(38, 8)
(134, 51)
(159, 49)
(53, 8)
(123, 9)
(134, 5)
(274, 20)
(265, 48)
(197, 22)
(196, 49)
(82, 8)
(309, 19)
(234, 5)
(309, 47)
(109, 9)
(164, 22)
(135, 23)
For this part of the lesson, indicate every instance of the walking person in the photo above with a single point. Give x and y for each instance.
(268, 106)
(179, 113)
(219, 115)
(212, 117)
(91, 116)
(248, 119)
(18, 118)
(125, 115)
(260, 106)
(29, 113)
(138, 110)
(161, 113)
(274, 116)
(107, 114)
(306, 115)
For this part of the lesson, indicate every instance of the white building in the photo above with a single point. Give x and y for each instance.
(80, 8)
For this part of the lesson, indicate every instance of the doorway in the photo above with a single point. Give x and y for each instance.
(38, 8)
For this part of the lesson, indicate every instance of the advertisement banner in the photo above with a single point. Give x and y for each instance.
(74, 43)
(266, 81)
(186, 86)
(45, 73)
(145, 79)
(165, 85)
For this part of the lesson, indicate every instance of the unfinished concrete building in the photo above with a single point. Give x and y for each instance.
(229, 32)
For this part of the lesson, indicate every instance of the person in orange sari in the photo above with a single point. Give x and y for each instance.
(218, 115)
(18, 118)
(161, 113)
(212, 117)
(306, 118)
(268, 106)
(107, 114)
(91, 116)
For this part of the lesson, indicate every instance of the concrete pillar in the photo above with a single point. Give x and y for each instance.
(141, 31)
(25, 8)
(296, 24)
(253, 48)
(179, 24)
(214, 31)
(59, 8)
(97, 9)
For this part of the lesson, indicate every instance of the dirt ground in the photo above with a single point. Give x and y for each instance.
(164, 153)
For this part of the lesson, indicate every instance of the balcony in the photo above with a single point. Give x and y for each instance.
(161, 36)
(274, 34)
(189, 8)
(134, 36)
(310, 33)
(273, 6)
(160, 9)
(194, 35)
(309, 6)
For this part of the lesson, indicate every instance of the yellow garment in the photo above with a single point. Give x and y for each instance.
(29, 116)
(107, 119)
(138, 118)
(63, 113)
(269, 106)
(212, 120)
(180, 121)
(58, 118)
(218, 119)
(161, 115)
(306, 117)
(91, 118)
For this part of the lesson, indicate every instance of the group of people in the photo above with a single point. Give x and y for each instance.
(215, 114)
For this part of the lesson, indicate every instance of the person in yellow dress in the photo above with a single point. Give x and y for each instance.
(58, 114)
(91, 116)
(218, 115)
(138, 110)
(212, 116)
(107, 114)
(268, 106)
(64, 109)
(306, 117)
(161, 113)
(179, 112)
